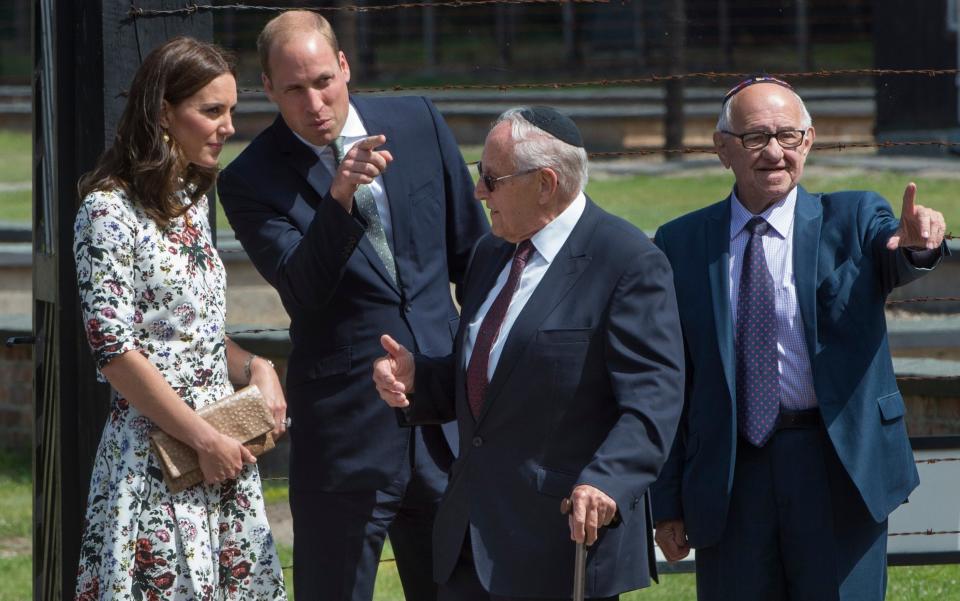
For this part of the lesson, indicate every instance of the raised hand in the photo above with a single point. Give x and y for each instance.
(393, 373)
(361, 165)
(920, 227)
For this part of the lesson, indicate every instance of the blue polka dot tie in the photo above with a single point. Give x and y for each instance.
(758, 382)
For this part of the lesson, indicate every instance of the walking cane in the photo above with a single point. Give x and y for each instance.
(580, 561)
(579, 572)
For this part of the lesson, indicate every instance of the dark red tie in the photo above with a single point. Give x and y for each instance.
(480, 358)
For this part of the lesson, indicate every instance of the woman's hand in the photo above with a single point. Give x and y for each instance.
(222, 458)
(264, 377)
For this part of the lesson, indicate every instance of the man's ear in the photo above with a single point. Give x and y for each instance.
(808, 140)
(267, 86)
(719, 144)
(344, 65)
(549, 182)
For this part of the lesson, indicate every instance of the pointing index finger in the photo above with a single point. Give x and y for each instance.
(371, 142)
(909, 196)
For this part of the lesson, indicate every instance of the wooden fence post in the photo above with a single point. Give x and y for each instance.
(84, 55)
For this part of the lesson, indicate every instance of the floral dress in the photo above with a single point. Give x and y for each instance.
(161, 292)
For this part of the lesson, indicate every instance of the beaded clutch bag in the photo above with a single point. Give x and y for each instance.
(243, 415)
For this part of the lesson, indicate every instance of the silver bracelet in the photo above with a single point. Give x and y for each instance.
(250, 358)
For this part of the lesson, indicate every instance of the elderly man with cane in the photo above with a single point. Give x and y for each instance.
(566, 381)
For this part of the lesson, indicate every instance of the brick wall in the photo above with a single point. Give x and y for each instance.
(16, 397)
(933, 415)
(927, 414)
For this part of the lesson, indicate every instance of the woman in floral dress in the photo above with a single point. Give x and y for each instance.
(152, 290)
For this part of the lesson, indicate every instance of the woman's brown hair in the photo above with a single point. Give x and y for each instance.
(148, 168)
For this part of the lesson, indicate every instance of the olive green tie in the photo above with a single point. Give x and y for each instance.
(367, 207)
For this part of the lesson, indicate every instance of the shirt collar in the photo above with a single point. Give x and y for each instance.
(779, 215)
(551, 238)
(353, 130)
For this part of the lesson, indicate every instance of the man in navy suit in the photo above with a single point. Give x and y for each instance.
(792, 449)
(354, 249)
(566, 381)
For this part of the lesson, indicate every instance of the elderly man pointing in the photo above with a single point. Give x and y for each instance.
(793, 449)
(566, 381)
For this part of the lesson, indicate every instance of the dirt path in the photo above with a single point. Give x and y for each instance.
(281, 523)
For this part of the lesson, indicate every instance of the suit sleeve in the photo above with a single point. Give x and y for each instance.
(644, 358)
(665, 493)
(432, 399)
(305, 268)
(466, 221)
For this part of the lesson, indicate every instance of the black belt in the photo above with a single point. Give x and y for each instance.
(805, 418)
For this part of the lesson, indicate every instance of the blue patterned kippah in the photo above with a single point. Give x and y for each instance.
(754, 79)
(554, 123)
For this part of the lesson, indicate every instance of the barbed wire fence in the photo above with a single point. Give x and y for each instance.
(714, 77)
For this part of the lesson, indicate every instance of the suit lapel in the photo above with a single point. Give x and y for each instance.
(306, 162)
(562, 274)
(718, 266)
(808, 217)
(302, 158)
(485, 279)
(477, 291)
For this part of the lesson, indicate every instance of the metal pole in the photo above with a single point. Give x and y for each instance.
(956, 31)
(723, 26)
(804, 56)
(673, 122)
(569, 31)
(430, 39)
(639, 35)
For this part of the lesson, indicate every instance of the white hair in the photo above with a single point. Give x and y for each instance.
(724, 123)
(535, 148)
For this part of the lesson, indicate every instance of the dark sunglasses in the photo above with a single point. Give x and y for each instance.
(490, 182)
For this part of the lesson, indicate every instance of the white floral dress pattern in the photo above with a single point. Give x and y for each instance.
(161, 292)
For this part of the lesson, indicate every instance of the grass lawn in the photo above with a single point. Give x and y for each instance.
(16, 156)
(646, 200)
(917, 583)
(16, 510)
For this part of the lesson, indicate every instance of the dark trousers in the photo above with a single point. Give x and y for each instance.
(797, 529)
(338, 537)
(464, 584)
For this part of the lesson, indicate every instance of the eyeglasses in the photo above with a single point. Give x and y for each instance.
(755, 140)
(490, 182)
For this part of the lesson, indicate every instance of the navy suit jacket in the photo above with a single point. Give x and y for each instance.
(843, 275)
(587, 390)
(337, 291)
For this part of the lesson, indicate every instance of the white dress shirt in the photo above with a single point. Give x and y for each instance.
(793, 361)
(353, 131)
(547, 243)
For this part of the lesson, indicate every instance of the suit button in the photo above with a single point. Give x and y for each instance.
(477, 441)
(408, 307)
